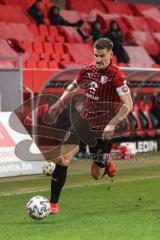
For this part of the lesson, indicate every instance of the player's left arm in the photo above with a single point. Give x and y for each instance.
(123, 91)
(127, 105)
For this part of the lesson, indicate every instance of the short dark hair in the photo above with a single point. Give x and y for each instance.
(103, 43)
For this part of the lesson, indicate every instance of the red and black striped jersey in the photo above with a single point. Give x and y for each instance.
(103, 88)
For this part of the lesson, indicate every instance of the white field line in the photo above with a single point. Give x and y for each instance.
(41, 189)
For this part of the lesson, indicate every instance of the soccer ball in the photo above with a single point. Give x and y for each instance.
(48, 168)
(38, 207)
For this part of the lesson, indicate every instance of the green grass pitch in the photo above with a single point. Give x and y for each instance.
(126, 209)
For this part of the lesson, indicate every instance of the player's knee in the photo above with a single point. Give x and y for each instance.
(95, 176)
(63, 161)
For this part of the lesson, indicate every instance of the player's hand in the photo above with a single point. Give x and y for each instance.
(55, 109)
(108, 132)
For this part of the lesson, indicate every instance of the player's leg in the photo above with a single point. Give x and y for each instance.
(102, 162)
(60, 173)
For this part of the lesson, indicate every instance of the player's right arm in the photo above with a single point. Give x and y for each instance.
(55, 109)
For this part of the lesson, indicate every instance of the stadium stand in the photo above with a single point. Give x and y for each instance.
(71, 15)
(136, 23)
(157, 36)
(146, 10)
(80, 52)
(71, 35)
(85, 8)
(153, 23)
(5, 49)
(13, 14)
(139, 57)
(144, 39)
(117, 7)
(105, 20)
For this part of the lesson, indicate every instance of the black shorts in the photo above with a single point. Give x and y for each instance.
(98, 148)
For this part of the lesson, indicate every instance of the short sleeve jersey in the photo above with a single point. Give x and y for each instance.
(103, 88)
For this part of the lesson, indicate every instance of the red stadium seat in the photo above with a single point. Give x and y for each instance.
(53, 31)
(5, 31)
(71, 15)
(43, 30)
(44, 56)
(117, 7)
(25, 4)
(31, 64)
(34, 56)
(58, 49)
(42, 64)
(18, 2)
(59, 39)
(34, 29)
(153, 23)
(71, 35)
(37, 47)
(6, 50)
(80, 53)
(21, 31)
(144, 39)
(157, 36)
(27, 46)
(53, 64)
(48, 47)
(40, 39)
(145, 10)
(55, 57)
(138, 57)
(65, 58)
(105, 20)
(13, 14)
(84, 7)
(136, 23)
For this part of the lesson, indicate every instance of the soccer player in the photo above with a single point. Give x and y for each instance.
(105, 83)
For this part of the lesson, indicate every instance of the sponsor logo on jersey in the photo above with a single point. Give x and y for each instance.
(92, 91)
(104, 79)
(92, 97)
(93, 86)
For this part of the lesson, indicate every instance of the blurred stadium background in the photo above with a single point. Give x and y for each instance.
(36, 62)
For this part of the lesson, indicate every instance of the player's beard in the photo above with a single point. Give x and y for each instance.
(100, 66)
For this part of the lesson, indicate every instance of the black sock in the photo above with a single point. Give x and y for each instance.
(102, 164)
(57, 182)
(102, 161)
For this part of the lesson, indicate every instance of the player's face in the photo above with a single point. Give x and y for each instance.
(102, 58)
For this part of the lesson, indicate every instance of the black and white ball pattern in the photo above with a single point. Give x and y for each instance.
(48, 168)
(38, 207)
